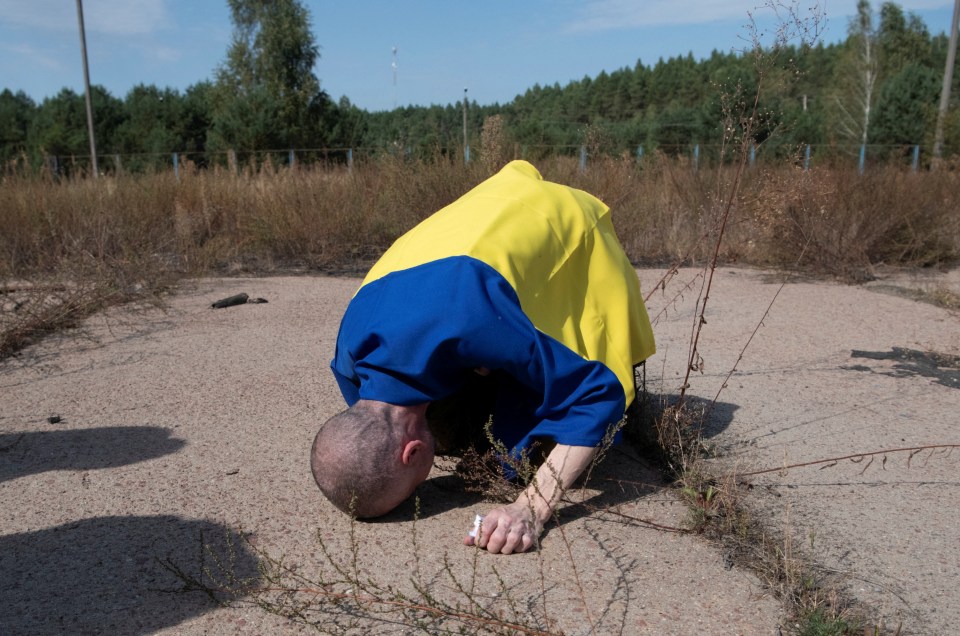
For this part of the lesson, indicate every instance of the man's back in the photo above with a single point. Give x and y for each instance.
(557, 249)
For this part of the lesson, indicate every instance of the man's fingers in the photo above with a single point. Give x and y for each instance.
(496, 541)
(507, 542)
(487, 527)
(498, 538)
(514, 543)
(520, 541)
(528, 542)
(502, 533)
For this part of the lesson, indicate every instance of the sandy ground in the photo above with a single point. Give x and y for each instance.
(190, 426)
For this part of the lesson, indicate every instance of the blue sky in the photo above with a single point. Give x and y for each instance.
(497, 49)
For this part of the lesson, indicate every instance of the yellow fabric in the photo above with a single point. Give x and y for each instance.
(577, 286)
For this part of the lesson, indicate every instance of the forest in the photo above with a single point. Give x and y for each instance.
(877, 89)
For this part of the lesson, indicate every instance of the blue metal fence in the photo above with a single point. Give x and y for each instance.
(916, 157)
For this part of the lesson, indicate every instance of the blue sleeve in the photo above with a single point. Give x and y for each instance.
(414, 335)
(555, 393)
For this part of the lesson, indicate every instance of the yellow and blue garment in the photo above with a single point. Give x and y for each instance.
(520, 276)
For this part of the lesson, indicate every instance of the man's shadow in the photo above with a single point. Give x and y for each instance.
(107, 575)
(34, 452)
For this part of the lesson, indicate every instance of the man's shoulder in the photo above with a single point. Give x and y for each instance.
(451, 274)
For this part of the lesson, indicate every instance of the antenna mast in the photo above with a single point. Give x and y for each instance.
(393, 65)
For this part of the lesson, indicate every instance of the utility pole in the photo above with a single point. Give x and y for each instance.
(466, 148)
(947, 83)
(86, 84)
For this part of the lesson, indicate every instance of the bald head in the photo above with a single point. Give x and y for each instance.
(365, 459)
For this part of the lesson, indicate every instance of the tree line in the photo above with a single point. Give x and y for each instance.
(878, 87)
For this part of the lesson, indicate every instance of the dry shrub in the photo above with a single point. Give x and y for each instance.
(129, 236)
(106, 222)
(659, 206)
(493, 144)
(843, 223)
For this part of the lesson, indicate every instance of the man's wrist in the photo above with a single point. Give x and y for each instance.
(539, 506)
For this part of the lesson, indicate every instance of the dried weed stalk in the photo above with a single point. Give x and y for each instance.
(341, 598)
(716, 503)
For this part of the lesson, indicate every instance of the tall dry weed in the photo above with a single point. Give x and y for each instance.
(144, 231)
(493, 144)
(335, 218)
(850, 222)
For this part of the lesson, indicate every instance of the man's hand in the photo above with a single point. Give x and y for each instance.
(508, 529)
(517, 527)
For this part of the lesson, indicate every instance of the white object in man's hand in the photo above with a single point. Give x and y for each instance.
(475, 531)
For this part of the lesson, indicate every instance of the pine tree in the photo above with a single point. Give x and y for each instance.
(16, 112)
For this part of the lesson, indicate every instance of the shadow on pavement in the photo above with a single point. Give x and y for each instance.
(34, 452)
(712, 418)
(104, 575)
(943, 368)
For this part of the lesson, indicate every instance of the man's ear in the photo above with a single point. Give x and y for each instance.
(410, 451)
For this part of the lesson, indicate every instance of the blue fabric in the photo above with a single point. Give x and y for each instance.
(415, 335)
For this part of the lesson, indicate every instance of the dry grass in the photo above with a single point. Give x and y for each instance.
(32, 311)
(129, 236)
(851, 223)
(943, 297)
(328, 218)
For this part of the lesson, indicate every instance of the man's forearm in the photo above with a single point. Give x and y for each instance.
(516, 527)
(561, 468)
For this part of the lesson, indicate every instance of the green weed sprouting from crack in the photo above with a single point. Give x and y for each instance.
(819, 623)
